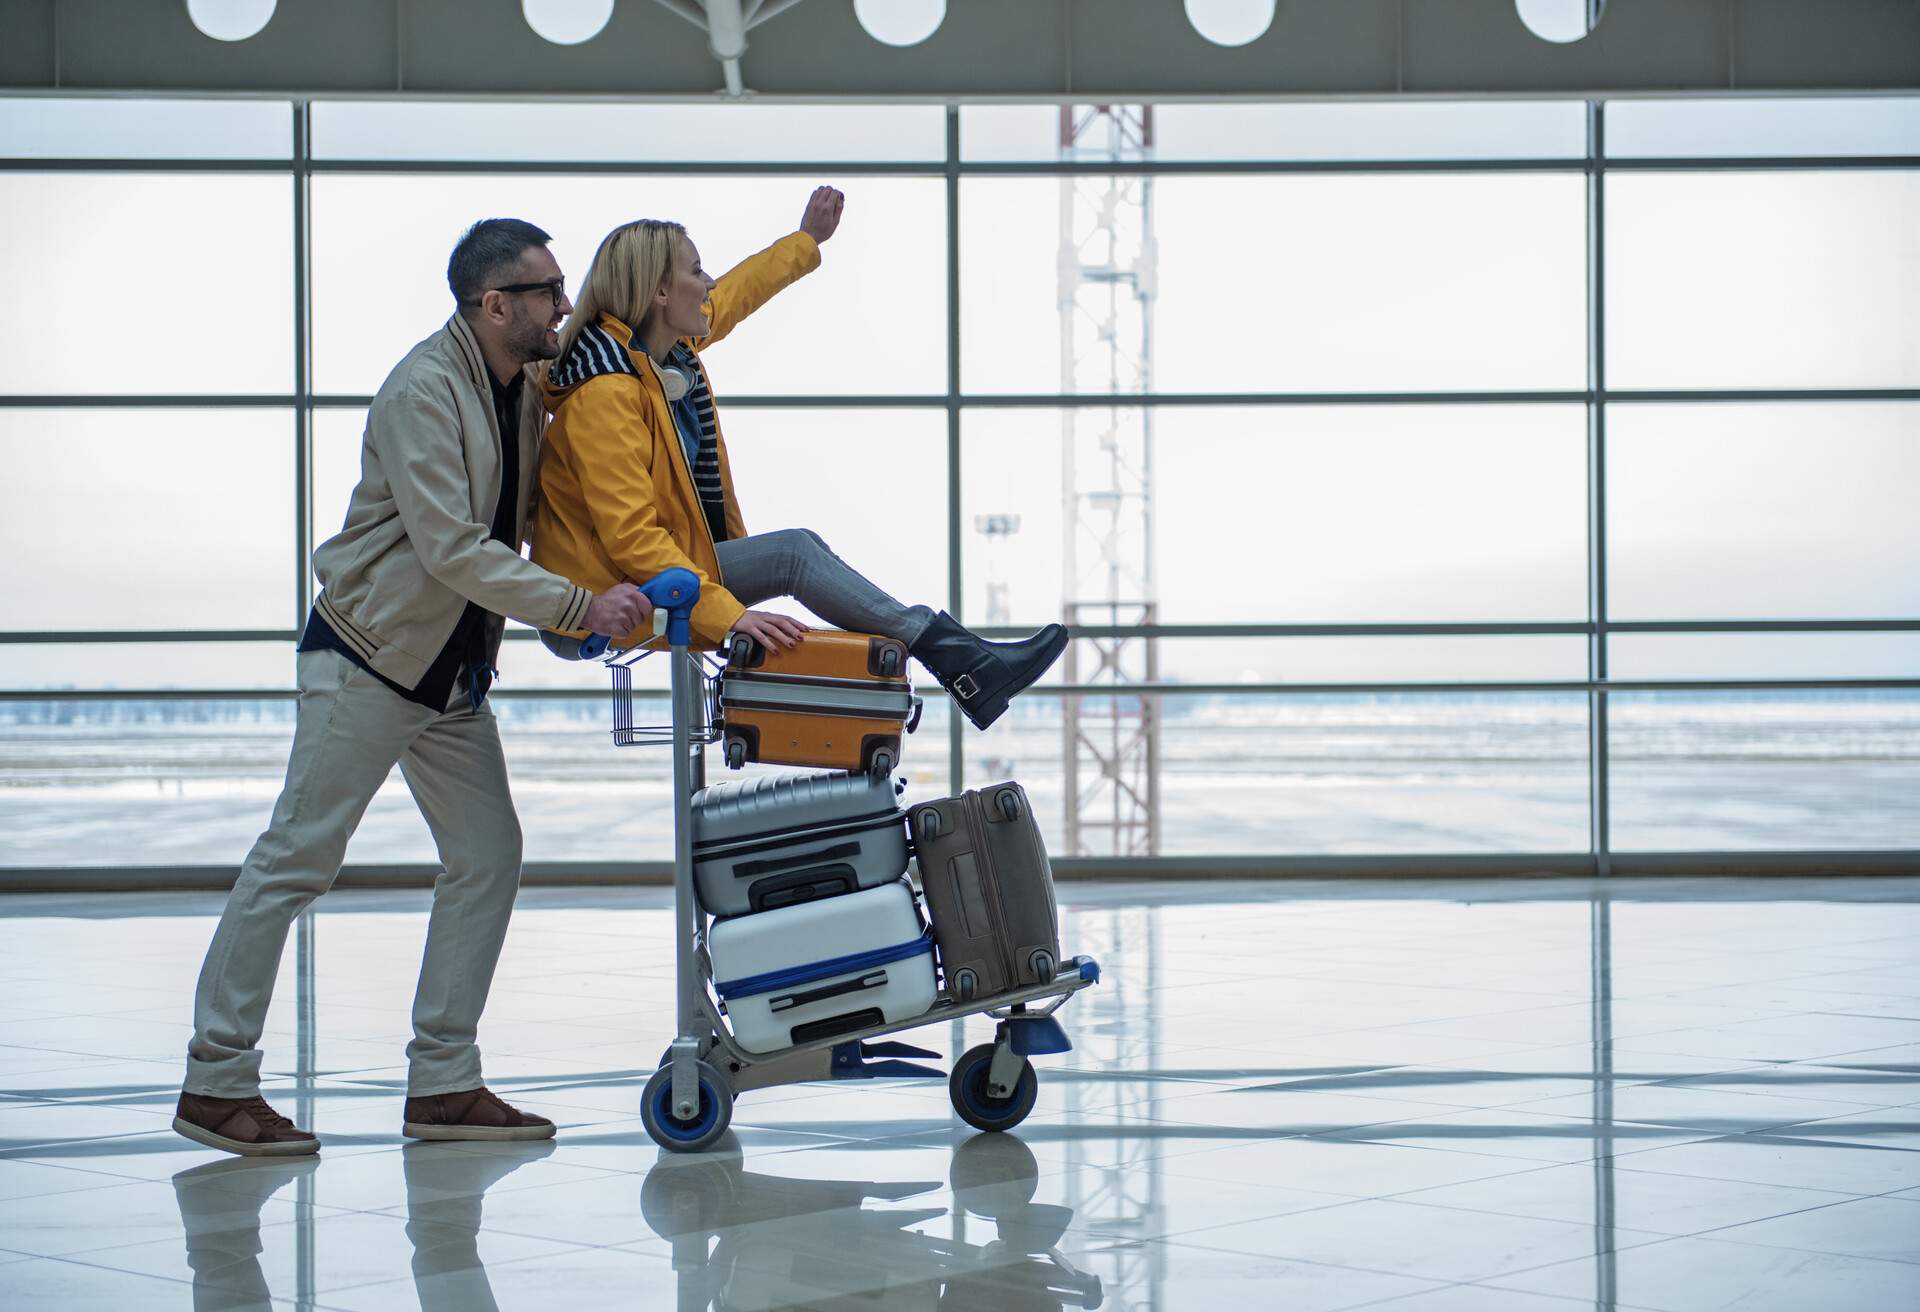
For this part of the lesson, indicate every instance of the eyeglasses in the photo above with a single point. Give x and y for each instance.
(554, 287)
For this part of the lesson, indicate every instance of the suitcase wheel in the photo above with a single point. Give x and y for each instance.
(742, 651)
(736, 753)
(882, 762)
(979, 1108)
(1042, 963)
(1009, 803)
(929, 826)
(889, 663)
(965, 985)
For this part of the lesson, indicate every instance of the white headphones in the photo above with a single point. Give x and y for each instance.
(674, 383)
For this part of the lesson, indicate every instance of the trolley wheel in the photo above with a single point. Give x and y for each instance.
(736, 753)
(708, 1124)
(980, 1109)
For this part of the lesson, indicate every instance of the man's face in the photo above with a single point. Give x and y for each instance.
(683, 295)
(531, 330)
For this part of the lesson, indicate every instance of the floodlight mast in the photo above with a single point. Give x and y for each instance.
(1111, 756)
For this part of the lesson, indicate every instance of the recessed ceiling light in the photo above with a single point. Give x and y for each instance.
(567, 22)
(1230, 22)
(900, 22)
(230, 20)
(1560, 21)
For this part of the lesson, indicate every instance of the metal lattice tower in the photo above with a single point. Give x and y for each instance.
(1107, 287)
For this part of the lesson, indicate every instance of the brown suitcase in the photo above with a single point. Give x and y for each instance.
(841, 701)
(989, 889)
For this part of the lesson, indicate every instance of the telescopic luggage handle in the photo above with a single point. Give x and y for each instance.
(673, 593)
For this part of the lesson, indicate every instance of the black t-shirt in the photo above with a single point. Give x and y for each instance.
(466, 650)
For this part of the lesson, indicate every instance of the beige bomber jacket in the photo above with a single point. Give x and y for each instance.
(417, 544)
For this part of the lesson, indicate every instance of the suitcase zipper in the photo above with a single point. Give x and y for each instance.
(996, 907)
(765, 842)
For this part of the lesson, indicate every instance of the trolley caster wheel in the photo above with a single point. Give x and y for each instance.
(979, 1108)
(736, 753)
(708, 1123)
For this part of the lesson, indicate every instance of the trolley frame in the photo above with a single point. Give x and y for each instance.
(700, 1033)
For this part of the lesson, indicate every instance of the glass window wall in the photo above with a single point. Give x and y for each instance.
(1297, 415)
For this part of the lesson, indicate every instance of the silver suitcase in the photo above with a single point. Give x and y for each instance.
(779, 840)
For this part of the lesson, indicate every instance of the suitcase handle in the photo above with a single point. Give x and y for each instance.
(747, 870)
(872, 980)
(913, 721)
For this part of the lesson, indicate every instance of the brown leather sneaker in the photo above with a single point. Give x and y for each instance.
(247, 1126)
(472, 1114)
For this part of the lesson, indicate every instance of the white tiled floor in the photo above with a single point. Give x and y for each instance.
(1426, 1097)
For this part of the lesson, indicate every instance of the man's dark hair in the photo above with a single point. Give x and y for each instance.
(484, 254)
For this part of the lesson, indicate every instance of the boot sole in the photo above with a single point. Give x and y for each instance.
(476, 1133)
(240, 1147)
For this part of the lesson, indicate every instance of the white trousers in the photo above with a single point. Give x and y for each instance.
(350, 732)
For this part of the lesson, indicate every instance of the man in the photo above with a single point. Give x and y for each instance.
(394, 667)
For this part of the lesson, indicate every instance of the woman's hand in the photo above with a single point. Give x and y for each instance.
(823, 213)
(774, 632)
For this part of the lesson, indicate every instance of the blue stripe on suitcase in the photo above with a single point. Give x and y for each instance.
(794, 976)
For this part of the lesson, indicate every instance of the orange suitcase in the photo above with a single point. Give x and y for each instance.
(837, 700)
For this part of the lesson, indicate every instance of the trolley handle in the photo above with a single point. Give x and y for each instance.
(673, 593)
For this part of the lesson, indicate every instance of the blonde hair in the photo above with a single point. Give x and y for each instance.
(627, 270)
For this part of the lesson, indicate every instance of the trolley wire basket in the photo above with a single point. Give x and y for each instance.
(628, 732)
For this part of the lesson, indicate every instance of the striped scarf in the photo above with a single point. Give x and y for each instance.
(706, 463)
(596, 351)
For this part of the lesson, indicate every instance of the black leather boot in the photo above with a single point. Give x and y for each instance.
(983, 676)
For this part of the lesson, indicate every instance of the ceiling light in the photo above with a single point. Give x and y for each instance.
(1230, 22)
(567, 22)
(900, 22)
(1560, 21)
(230, 20)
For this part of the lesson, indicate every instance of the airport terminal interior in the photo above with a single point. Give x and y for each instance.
(1463, 854)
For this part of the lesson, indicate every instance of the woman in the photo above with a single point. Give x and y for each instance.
(634, 476)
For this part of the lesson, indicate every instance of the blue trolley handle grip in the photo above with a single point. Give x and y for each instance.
(673, 593)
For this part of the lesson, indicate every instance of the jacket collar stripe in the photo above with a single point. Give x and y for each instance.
(595, 352)
(469, 351)
(614, 354)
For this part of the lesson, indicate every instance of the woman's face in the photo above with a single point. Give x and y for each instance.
(681, 301)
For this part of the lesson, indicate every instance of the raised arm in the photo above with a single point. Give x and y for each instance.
(758, 278)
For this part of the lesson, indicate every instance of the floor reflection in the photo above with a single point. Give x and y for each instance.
(446, 1197)
(1455, 1097)
(745, 1238)
(220, 1210)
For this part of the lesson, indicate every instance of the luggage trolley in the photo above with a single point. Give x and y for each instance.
(688, 1102)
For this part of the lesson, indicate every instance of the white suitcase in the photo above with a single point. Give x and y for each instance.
(825, 968)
